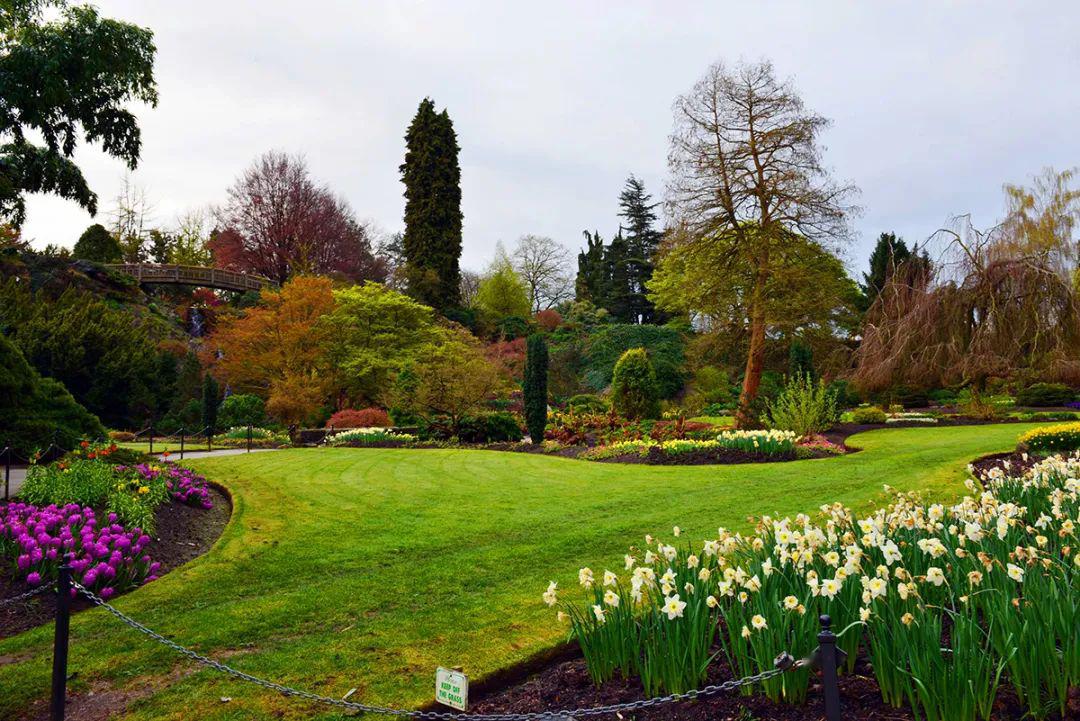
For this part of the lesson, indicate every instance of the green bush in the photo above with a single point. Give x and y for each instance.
(608, 343)
(846, 397)
(587, 403)
(496, 427)
(242, 409)
(909, 397)
(1043, 395)
(943, 397)
(635, 391)
(33, 409)
(804, 406)
(867, 415)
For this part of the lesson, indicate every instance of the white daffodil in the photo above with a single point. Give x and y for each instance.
(758, 622)
(1015, 572)
(673, 607)
(550, 597)
(611, 598)
(610, 579)
(935, 576)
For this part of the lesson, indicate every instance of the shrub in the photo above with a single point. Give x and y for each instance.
(1042, 395)
(535, 387)
(846, 397)
(909, 397)
(942, 397)
(496, 427)
(121, 436)
(634, 390)
(363, 418)
(716, 409)
(548, 320)
(1062, 437)
(607, 344)
(587, 403)
(868, 415)
(242, 409)
(804, 406)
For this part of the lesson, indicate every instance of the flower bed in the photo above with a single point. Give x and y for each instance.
(728, 447)
(948, 603)
(107, 558)
(1049, 439)
(371, 437)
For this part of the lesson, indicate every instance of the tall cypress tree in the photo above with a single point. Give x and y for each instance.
(432, 178)
(642, 240)
(591, 283)
(619, 296)
(535, 386)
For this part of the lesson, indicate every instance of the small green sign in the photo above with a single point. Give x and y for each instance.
(451, 688)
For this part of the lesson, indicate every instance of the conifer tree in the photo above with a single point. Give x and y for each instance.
(591, 283)
(209, 403)
(97, 244)
(432, 178)
(535, 386)
(642, 240)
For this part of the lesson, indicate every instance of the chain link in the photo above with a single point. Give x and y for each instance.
(783, 664)
(24, 596)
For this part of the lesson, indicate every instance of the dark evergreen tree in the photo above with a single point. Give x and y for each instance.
(642, 240)
(535, 386)
(888, 254)
(591, 283)
(160, 245)
(97, 244)
(617, 263)
(801, 361)
(432, 178)
(210, 400)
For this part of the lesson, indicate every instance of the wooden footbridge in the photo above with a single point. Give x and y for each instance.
(194, 275)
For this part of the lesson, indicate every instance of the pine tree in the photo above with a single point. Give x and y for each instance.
(591, 283)
(642, 240)
(97, 244)
(210, 402)
(619, 296)
(535, 386)
(888, 254)
(433, 219)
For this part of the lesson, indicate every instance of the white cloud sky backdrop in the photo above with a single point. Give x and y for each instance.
(934, 104)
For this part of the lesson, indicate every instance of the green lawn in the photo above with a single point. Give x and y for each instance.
(367, 568)
(725, 421)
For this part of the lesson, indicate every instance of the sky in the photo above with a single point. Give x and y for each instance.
(934, 104)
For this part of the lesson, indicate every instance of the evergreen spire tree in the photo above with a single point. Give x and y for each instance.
(619, 297)
(432, 178)
(642, 240)
(535, 386)
(591, 277)
(888, 254)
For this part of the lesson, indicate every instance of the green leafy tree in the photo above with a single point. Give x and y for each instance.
(634, 390)
(211, 394)
(455, 379)
(535, 386)
(97, 244)
(376, 332)
(432, 178)
(502, 293)
(242, 409)
(63, 80)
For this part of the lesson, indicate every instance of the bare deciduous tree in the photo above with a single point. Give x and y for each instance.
(132, 215)
(279, 223)
(544, 265)
(747, 173)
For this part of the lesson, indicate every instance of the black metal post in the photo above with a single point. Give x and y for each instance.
(60, 642)
(7, 473)
(249, 438)
(827, 658)
(151, 440)
(209, 438)
(182, 431)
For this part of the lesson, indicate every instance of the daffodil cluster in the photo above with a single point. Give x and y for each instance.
(948, 601)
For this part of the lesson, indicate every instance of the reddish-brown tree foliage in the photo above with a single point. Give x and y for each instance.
(278, 222)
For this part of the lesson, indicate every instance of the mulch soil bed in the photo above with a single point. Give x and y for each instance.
(183, 533)
(566, 686)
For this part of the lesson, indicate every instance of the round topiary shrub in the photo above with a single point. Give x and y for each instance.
(1045, 395)
(869, 415)
(635, 392)
(587, 403)
(362, 418)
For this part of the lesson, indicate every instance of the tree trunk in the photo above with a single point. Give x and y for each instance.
(755, 357)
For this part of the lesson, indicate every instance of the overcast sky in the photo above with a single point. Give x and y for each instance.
(934, 104)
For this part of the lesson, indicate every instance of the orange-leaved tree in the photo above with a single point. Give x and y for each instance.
(279, 349)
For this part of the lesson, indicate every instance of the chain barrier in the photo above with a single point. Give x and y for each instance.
(783, 663)
(24, 596)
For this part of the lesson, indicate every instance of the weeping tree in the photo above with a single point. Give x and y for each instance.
(1000, 303)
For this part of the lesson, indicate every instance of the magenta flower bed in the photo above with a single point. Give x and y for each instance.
(106, 558)
(184, 484)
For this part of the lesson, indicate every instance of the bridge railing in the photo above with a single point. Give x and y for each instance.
(193, 275)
